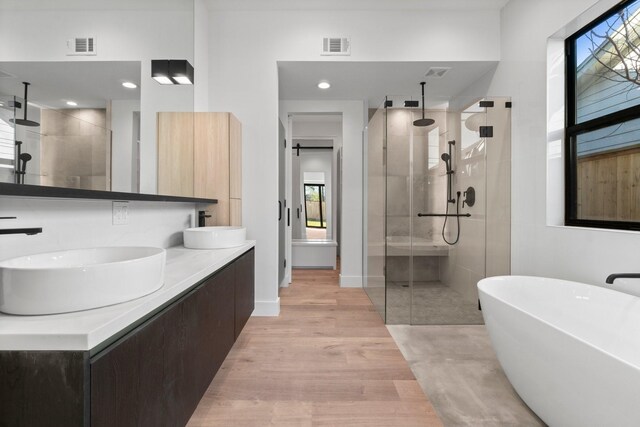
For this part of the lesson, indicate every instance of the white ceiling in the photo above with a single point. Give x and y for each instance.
(96, 4)
(356, 4)
(373, 81)
(89, 83)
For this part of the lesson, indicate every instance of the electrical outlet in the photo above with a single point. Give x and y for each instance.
(120, 213)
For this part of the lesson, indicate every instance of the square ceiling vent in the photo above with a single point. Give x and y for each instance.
(437, 72)
(82, 46)
(336, 46)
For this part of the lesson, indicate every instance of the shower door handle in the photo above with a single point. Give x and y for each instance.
(288, 217)
(279, 210)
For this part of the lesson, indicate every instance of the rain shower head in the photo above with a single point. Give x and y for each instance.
(24, 121)
(423, 121)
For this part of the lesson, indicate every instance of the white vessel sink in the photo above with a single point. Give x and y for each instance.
(80, 279)
(214, 237)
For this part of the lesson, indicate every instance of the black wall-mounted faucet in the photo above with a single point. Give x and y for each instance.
(615, 276)
(27, 231)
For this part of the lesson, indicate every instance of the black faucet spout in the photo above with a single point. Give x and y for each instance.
(202, 215)
(27, 231)
(615, 276)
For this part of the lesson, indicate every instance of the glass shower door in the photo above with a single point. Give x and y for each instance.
(399, 232)
(456, 172)
(470, 149)
(374, 147)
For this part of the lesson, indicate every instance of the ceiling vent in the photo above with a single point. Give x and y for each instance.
(437, 72)
(82, 46)
(336, 46)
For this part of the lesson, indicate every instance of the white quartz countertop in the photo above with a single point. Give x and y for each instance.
(83, 330)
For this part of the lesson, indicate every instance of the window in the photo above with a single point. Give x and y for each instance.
(603, 121)
(315, 206)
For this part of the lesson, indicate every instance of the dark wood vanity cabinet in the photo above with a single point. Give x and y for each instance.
(156, 374)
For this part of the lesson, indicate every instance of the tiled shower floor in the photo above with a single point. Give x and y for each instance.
(432, 303)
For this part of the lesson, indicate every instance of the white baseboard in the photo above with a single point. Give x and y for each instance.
(267, 308)
(350, 281)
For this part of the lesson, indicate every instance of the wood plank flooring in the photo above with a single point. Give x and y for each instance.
(327, 360)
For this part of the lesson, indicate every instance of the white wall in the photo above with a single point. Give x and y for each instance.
(587, 255)
(201, 56)
(245, 46)
(121, 35)
(69, 224)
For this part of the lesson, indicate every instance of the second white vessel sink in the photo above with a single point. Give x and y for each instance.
(214, 237)
(80, 279)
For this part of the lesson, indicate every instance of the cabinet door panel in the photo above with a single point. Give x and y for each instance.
(224, 315)
(114, 386)
(175, 154)
(136, 382)
(151, 346)
(244, 290)
(211, 155)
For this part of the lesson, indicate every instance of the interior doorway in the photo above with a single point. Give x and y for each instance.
(316, 140)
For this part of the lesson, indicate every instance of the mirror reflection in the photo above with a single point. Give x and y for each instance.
(79, 126)
(91, 95)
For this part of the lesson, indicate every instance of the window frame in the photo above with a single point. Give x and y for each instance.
(321, 199)
(573, 130)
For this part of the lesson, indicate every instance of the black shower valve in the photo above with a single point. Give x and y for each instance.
(469, 197)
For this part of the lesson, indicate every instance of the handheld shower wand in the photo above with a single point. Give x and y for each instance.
(446, 157)
(25, 157)
(447, 161)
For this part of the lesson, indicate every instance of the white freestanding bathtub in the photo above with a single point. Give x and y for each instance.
(571, 350)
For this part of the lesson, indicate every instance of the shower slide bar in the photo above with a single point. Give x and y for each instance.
(467, 215)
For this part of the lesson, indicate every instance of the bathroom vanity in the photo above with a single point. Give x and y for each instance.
(146, 362)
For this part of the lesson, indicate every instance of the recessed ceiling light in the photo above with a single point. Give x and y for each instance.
(129, 85)
(324, 85)
(72, 103)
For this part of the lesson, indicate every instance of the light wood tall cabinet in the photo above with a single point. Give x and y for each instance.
(200, 155)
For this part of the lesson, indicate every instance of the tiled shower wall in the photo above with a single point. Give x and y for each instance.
(407, 196)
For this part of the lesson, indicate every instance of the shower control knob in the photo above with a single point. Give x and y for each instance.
(469, 197)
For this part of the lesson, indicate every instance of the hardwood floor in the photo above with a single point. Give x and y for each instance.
(327, 360)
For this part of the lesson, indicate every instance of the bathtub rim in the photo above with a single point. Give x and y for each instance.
(482, 292)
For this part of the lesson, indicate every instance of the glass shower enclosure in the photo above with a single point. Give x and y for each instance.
(437, 208)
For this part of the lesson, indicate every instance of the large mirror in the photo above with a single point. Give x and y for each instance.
(89, 120)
